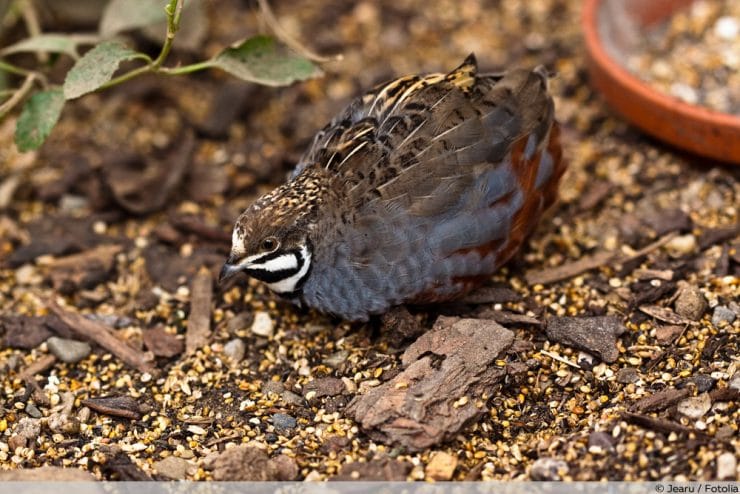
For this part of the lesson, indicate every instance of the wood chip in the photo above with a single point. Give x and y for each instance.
(587, 263)
(434, 397)
(661, 400)
(105, 337)
(656, 424)
(199, 321)
(664, 314)
(115, 406)
(596, 335)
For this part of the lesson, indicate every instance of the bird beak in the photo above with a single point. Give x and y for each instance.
(231, 268)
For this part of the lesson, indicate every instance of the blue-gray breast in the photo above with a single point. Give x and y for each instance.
(416, 193)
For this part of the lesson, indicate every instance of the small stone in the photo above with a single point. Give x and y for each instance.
(263, 324)
(292, 399)
(336, 359)
(601, 440)
(703, 382)
(283, 422)
(63, 423)
(666, 334)
(69, 351)
(325, 386)
(286, 468)
(25, 433)
(27, 275)
(235, 350)
(548, 469)
(735, 381)
(441, 466)
(681, 245)
(690, 303)
(173, 468)
(722, 315)
(33, 411)
(627, 375)
(695, 407)
(726, 466)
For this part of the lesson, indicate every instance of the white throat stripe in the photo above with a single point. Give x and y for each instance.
(280, 263)
(287, 285)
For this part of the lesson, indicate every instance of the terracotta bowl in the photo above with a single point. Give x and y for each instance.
(606, 26)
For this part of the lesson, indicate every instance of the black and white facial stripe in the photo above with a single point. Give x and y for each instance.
(282, 272)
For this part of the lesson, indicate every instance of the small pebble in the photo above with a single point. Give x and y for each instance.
(681, 245)
(601, 440)
(263, 324)
(722, 315)
(726, 466)
(690, 303)
(173, 468)
(441, 466)
(548, 469)
(283, 422)
(695, 407)
(33, 411)
(69, 351)
(235, 350)
(703, 382)
(627, 375)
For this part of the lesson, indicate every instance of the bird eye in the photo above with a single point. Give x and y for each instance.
(269, 244)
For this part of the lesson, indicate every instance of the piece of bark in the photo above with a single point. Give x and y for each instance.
(24, 332)
(656, 424)
(199, 320)
(491, 295)
(596, 335)
(506, 318)
(663, 221)
(713, 236)
(587, 263)
(568, 270)
(161, 343)
(115, 406)
(119, 466)
(399, 325)
(243, 463)
(445, 371)
(105, 337)
(664, 314)
(324, 386)
(660, 401)
(196, 226)
(29, 376)
(84, 270)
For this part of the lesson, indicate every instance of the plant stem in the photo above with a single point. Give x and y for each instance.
(19, 95)
(13, 69)
(174, 13)
(186, 69)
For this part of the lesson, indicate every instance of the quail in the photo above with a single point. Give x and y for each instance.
(415, 193)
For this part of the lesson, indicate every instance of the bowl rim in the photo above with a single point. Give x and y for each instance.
(633, 84)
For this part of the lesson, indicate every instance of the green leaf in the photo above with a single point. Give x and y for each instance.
(51, 43)
(38, 118)
(124, 15)
(262, 60)
(96, 68)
